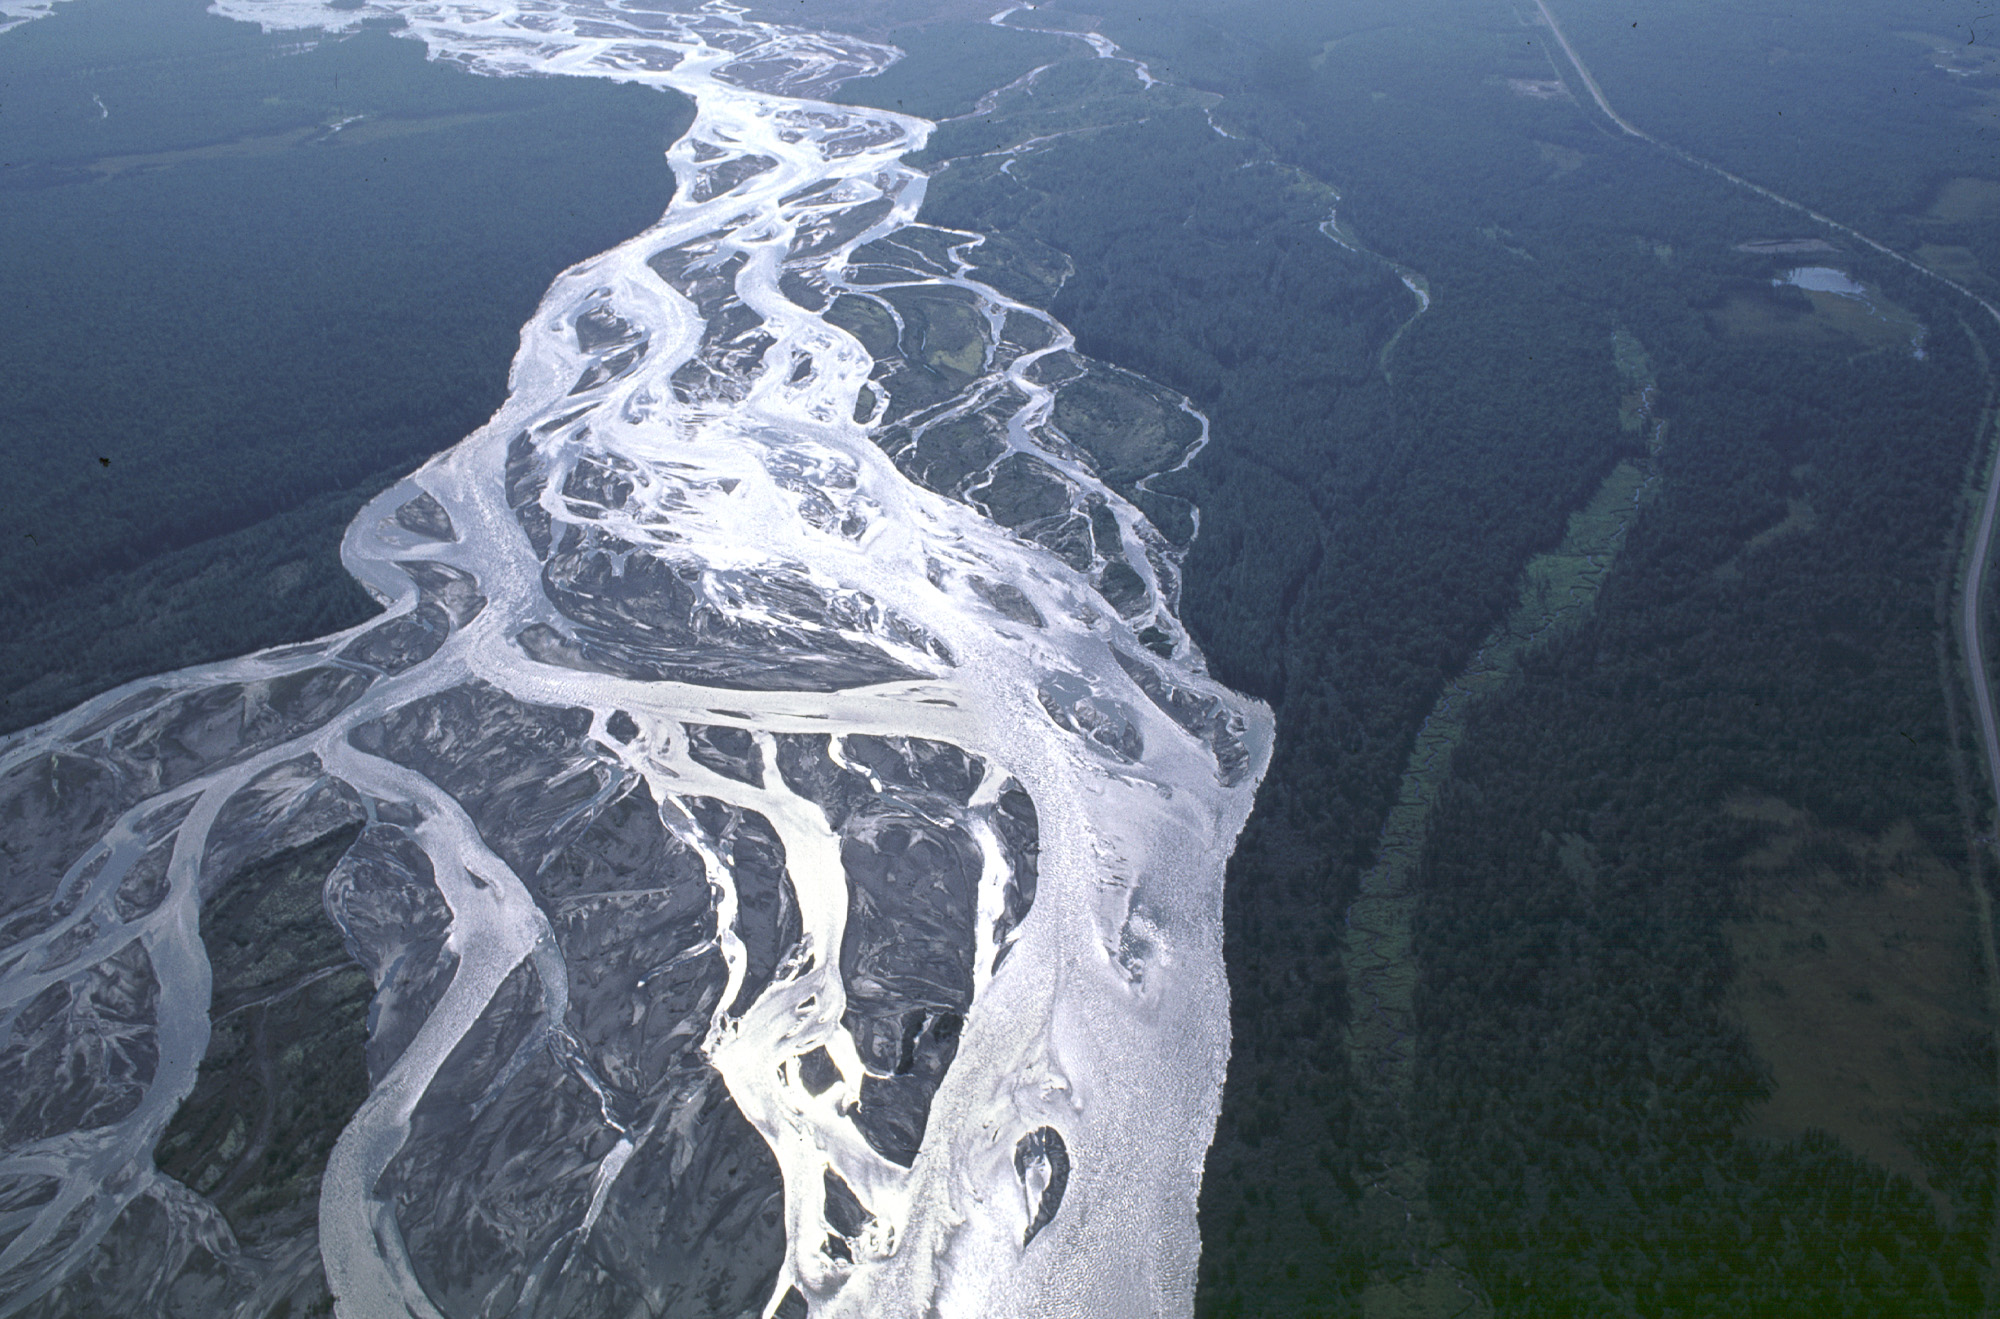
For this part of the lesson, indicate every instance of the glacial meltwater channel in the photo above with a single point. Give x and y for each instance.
(787, 888)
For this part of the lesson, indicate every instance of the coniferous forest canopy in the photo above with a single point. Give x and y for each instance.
(1607, 604)
(1697, 1014)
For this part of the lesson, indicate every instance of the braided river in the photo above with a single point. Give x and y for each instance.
(790, 874)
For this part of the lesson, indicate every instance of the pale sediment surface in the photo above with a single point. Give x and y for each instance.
(13, 13)
(787, 817)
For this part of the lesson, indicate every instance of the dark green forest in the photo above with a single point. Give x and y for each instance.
(1760, 703)
(230, 323)
(1700, 1025)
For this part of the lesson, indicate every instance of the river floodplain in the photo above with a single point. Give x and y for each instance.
(789, 867)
